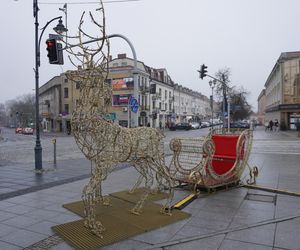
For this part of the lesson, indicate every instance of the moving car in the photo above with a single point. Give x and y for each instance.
(27, 131)
(181, 126)
(19, 130)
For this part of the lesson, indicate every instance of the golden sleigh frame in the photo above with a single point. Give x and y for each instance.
(216, 160)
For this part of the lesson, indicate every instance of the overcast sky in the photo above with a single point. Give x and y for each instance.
(246, 36)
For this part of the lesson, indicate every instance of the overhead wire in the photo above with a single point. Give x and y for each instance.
(109, 1)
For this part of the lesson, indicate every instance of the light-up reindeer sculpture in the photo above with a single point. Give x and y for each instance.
(105, 143)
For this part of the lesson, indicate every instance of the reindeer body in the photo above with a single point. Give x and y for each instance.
(106, 144)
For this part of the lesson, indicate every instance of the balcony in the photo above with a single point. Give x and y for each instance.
(156, 97)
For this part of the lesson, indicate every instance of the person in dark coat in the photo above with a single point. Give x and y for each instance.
(271, 124)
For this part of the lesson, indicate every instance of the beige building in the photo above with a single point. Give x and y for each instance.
(283, 90)
(261, 107)
(161, 101)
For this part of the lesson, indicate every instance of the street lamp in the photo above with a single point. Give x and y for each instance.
(212, 84)
(59, 29)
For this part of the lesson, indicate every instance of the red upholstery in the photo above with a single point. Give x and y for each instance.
(225, 152)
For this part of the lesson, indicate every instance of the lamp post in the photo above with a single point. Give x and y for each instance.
(212, 84)
(59, 28)
(134, 116)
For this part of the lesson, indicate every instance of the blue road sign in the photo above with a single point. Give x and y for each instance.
(134, 105)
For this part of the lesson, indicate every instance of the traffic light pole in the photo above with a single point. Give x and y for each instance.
(224, 91)
(38, 146)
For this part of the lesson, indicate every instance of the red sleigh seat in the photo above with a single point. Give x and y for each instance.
(225, 152)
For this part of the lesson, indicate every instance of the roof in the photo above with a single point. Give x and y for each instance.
(284, 56)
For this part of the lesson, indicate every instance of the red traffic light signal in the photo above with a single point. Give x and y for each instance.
(52, 51)
(55, 53)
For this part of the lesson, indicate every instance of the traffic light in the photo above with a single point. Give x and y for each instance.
(203, 71)
(52, 51)
(55, 53)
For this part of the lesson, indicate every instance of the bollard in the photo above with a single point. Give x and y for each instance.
(54, 151)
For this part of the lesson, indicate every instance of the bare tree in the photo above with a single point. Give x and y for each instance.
(21, 109)
(240, 107)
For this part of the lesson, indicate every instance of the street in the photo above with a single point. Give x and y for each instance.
(18, 148)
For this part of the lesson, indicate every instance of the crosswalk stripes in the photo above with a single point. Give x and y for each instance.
(286, 147)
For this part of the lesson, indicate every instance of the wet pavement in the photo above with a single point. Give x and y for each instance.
(240, 218)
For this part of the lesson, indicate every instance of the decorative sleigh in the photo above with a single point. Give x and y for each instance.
(216, 160)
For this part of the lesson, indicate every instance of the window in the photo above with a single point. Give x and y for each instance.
(66, 80)
(78, 84)
(67, 108)
(166, 106)
(66, 92)
(159, 91)
(153, 104)
(160, 105)
(166, 94)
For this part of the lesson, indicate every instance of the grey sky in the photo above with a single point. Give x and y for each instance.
(246, 36)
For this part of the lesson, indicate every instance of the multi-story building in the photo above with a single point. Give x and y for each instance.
(283, 90)
(261, 107)
(161, 101)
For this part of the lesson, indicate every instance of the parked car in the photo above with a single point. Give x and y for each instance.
(195, 125)
(205, 124)
(19, 130)
(27, 131)
(244, 125)
(181, 126)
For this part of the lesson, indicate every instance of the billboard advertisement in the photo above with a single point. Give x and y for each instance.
(120, 100)
(122, 84)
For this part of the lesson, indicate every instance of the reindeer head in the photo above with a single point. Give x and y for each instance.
(93, 64)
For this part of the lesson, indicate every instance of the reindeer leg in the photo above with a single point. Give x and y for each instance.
(167, 207)
(137, 209)
(90, 197)
(164, 179)
(137, 184)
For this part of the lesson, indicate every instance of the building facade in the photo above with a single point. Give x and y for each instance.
(161, 101)
(283, 91)
(261, 107)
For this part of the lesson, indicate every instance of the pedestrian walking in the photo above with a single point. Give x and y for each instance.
(271, 124)
(266, 126)
(276, 124)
